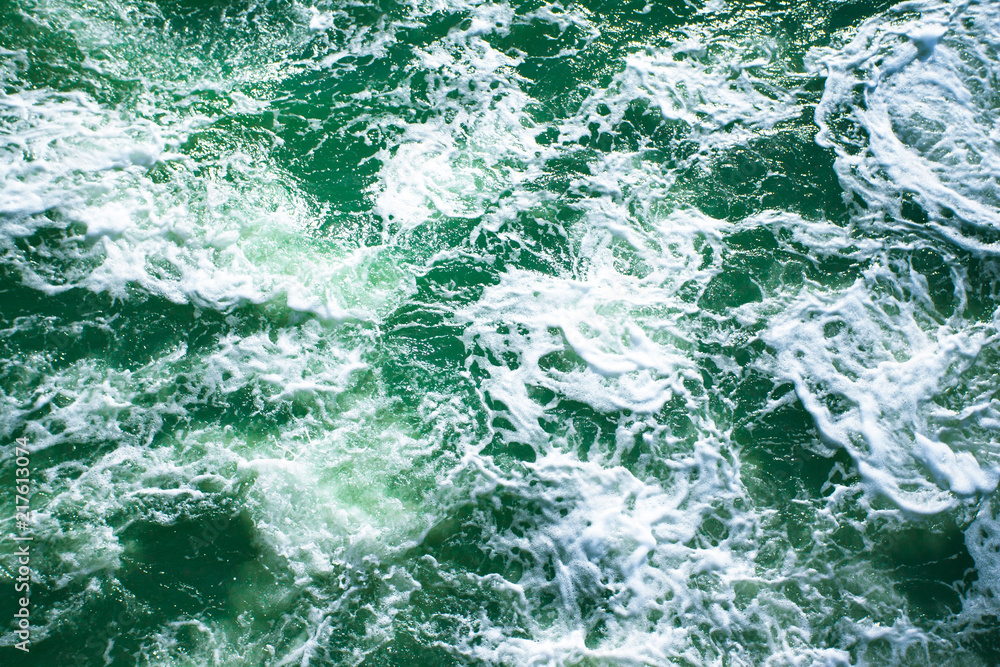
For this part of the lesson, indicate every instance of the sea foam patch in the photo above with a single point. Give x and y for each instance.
(870, 380)
(915, 84)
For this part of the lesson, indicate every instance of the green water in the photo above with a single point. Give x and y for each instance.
(470, 333)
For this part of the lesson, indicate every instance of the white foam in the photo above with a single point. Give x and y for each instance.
(982, 538)
(887, 371)
(925, 113)
(623, 522)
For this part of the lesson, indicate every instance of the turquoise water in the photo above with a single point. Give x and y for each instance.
(525, 333)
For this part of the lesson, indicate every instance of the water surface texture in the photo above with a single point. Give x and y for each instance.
(456, 332)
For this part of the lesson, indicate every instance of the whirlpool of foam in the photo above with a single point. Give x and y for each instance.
(919, 87)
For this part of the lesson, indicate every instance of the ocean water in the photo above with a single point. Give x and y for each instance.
(455, 332)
